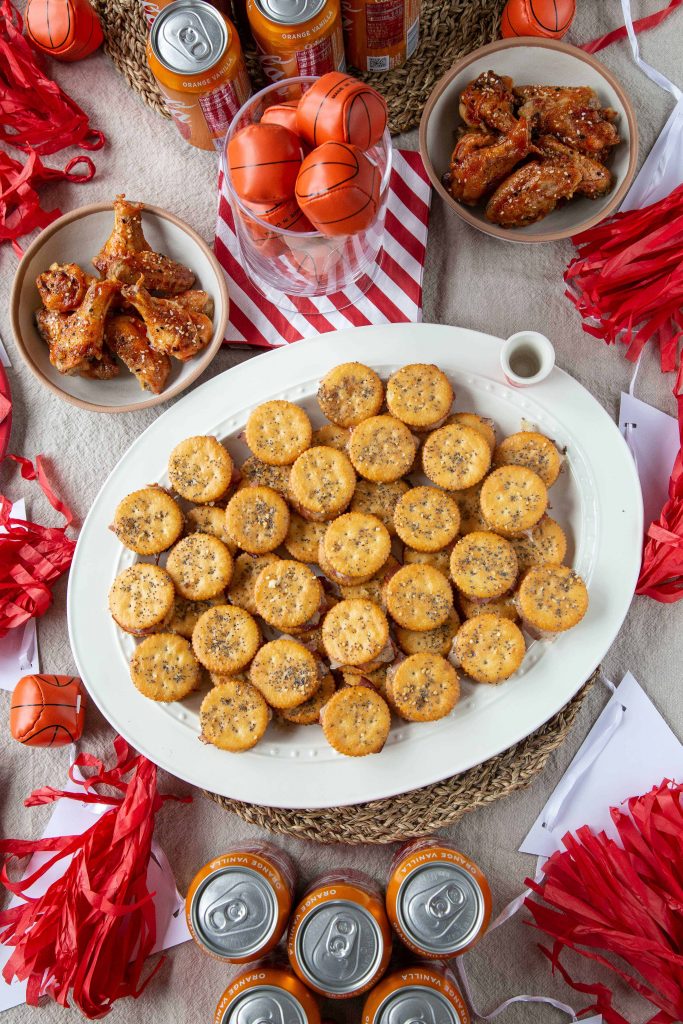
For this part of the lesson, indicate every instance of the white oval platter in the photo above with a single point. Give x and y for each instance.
(597, 500)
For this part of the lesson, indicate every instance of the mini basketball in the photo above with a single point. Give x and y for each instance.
(264, 160)
(338, 189)
(339, 108)
(47, 711)
(65, 29)
(282, 113)
(286, 216)
(550, 19)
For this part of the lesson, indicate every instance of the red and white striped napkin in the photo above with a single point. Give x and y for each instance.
(395, 295)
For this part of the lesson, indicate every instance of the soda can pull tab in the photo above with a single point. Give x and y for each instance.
(339, 946)
(439, 907)
(190, 38)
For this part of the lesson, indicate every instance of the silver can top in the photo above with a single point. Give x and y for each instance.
(339, 947)
(264, 1005)
(441, 908)
(189, 36)
(234, 912)
(417, 1005)
(289, 12)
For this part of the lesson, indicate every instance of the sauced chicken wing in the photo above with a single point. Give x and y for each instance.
(531, 192)
(196, 300)
(171, 328)
(596, 179)
(104, 368)
(63, 286)
(76, 337)
(158, 273)
(481, 160)
(127, 237)
(126, 336)
(573, 115)
(488, 100)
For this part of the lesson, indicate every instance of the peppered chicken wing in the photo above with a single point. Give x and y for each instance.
(171, 328)
(127, 236)
(488, 100)
(596, 179)
(63, 286)
(76, 337)
(126, 336)
(481, 160)
(158, 273)
(196, 300)
(531, 192)
(573, 115)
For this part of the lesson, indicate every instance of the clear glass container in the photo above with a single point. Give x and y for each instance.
(304, 263)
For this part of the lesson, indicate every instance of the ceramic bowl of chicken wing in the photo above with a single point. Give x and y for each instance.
(530, 140)
(118, 306)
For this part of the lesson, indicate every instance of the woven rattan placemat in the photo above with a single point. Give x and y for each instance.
(449, 29)
(421, 811)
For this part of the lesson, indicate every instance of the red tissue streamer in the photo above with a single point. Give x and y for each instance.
(38, 118)
(627, 280)
(661, 574)
(620, 904)
(32, 557)
(90, 933)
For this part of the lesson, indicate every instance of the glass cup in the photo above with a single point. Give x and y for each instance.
(304, 263)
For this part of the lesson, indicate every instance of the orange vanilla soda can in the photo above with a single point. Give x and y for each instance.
(380, 35)
(421, 992)
(267, 991)
(195, 55)
(238, 905)
(297, 37)
(339, 941)
(437, 899)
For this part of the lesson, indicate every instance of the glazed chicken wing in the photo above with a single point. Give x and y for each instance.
(488, 100)
(596, 179)
(531, 192)
(158, 273)
(76, 337)
(63, 286)
(481, 160)
(171, 328)
(104, 368)
(127, 237)
(126, 336)
(196, 300)
(573, 115)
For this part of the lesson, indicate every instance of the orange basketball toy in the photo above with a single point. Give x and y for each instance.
(338, 108)
(47, 711)
(282, 113)
(550, 19)
(338, 189)
(64, 29)
(264, 161)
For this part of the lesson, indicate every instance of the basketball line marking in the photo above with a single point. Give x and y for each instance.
(361, 98)
(266, 163)
(337, 186)
(320, 106)
(32, 735)
(42, 704)
(360, 209)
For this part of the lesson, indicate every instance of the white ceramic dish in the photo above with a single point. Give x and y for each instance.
(597, 499)
(76, 238)
(530, 62)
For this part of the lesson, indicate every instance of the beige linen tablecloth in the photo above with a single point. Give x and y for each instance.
(470, 280)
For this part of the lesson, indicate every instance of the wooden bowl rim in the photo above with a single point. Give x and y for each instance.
(201, 362)
(508, 234)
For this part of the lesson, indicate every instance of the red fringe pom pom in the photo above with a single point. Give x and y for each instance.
(90, 933)
(627, 281)
(621, 904)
